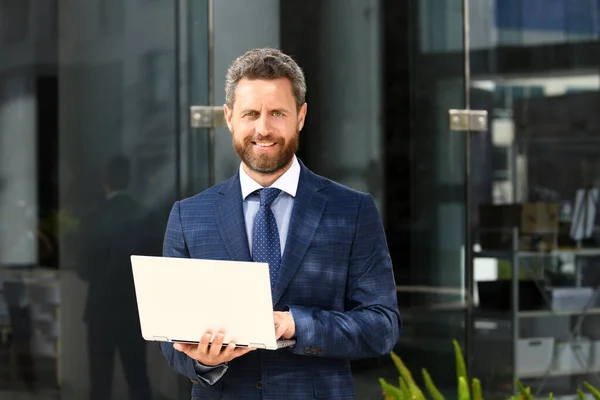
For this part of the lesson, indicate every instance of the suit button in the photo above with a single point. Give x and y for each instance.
(259, 385)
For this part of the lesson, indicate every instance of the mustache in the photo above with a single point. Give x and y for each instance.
(259, 137)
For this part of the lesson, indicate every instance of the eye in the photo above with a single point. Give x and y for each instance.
(251, 114)
(277, 114)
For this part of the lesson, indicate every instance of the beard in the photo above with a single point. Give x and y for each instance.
(266, 162)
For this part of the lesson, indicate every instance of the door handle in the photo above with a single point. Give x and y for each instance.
(468, 120)
(207, 117)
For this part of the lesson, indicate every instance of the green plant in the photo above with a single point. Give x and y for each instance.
(592, 390)
(409, 390)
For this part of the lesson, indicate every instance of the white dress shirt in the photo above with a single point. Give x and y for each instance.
(282, 209)
(281, 206)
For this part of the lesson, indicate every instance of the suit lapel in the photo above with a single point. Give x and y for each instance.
(306, 215)
(230, 220)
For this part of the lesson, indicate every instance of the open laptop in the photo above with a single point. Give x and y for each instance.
(179, 299)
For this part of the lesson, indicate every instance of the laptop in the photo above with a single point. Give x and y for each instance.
(179, 299)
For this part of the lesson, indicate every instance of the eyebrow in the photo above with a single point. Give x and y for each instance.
(281, 109)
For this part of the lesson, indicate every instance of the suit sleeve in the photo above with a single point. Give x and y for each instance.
(174, 246)
(370, 325)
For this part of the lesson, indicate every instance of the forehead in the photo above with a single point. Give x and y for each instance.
(252, 91)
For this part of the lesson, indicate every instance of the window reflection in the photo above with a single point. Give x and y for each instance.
(537, 231)
(91, 81)
(87, 176)
(498, 23)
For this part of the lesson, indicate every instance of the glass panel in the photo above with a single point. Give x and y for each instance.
(90, 152)
(534, 232)
(433, 292)
(85, 81)
(196, 144)
(381, 79)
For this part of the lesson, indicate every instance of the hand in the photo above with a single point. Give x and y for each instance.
(284, 325)
(211, 354)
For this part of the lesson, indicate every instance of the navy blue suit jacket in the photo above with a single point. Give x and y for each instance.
(335, 275)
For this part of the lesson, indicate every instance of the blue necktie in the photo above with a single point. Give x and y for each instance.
(265, 236)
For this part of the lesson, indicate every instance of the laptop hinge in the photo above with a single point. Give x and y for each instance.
(258, 345)
(161, 338)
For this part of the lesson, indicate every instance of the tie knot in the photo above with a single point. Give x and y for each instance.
(268, 195)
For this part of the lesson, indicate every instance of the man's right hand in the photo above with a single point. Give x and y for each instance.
(211, 354)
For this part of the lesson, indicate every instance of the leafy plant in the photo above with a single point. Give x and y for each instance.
(592, 390)
(409, 390)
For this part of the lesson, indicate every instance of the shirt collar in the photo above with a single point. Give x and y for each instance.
(288, 182)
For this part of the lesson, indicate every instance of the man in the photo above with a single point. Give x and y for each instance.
(332, 283)
(109, 235)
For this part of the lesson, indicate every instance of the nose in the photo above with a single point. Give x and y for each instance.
(262, 125)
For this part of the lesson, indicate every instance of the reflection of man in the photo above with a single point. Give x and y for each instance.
(19, 312)
(109, 238)
(333, 286)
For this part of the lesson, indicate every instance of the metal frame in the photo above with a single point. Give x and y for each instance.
(207, 117)
(181, 96)
(469, 322)
(468, 120)
(211, 89)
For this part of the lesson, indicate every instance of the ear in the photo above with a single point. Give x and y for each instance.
(228, 115)
(302, 116)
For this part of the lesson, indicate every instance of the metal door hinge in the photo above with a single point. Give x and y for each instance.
(207, 117)
(468, 120)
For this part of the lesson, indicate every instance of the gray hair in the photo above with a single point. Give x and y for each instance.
(268, 64)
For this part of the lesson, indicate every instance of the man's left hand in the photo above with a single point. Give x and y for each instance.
(284, 325)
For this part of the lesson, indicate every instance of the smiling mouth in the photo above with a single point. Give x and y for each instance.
(266, 144)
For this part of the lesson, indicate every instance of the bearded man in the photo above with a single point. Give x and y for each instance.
(332, 282)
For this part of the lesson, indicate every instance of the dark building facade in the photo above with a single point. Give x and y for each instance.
(492, 230)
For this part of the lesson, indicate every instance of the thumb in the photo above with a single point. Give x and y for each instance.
(182, 347)
(280, 331)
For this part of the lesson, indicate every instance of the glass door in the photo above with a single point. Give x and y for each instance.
(212, 34)
(535, 178)
(388, 135)
(429, 160)
(434, 283)
(198, 116)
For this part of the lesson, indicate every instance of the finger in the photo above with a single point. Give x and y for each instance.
(226, 352)
(182, 347)
(229, 349)
(277, 318)
(231, 352)
(241, 351)
(204, 344)
(217, 345)
(280, 330)
(238, 352)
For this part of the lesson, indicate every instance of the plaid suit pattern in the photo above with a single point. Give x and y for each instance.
(335, 276)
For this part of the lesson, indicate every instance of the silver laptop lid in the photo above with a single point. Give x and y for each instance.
(179, 299)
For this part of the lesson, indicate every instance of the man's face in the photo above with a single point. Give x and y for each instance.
(265, 124)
